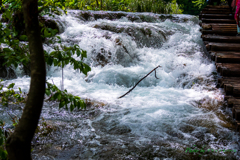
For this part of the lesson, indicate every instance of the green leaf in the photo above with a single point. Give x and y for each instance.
(1, 141)
(75, 102)
(78, 104)
(61, 104)
(50, 61)
(11, 85)
(7, 50)
(84, 54)
(20, 90)
(47, 92)
(78, 52)
(16, 41)
(55, 61)
(82, 104)
(55, 96)
(23, 37)
(59, 96)
(46, 34)
(87, 68)
(8, 14)
(3, 153)
(71, 107)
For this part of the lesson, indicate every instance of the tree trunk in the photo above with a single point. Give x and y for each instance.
(97, 3)
(19, 143)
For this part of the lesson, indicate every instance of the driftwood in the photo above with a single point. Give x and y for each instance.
(140, 81)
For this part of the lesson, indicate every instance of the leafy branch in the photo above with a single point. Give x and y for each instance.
(64, 98)
(10, 94)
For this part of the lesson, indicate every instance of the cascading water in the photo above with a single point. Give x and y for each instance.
(161, 117)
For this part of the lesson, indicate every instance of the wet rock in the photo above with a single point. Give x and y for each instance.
(144, 36)
(49, 23)
(85, 15)
(102, 58)
(120, 129)
(134, 18)
(87, 154)
(104, 141)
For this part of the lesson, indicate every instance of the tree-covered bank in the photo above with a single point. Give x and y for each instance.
(155, 6)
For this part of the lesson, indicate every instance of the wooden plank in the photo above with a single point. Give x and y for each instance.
(224, 46)
(229, 21)
(221, 38)
(233, 110)
(233, 101)
(236, 91)
(226, 80)
(220, 32)
(216, 11)
(217, 16)
(237, 114)
(227, 57)
(228, 69)
(218, 7)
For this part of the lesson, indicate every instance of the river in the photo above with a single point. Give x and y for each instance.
(160, 118)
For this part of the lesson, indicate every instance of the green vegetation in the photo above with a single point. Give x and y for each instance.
(155, 6)
(191, 7)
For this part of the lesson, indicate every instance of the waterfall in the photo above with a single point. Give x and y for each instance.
(161, 117)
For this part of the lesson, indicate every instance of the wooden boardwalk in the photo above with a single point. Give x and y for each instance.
(219, 31)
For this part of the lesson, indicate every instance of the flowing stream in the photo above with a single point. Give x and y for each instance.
(160, 118)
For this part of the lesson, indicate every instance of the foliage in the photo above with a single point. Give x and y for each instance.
(198, 3)
(189, 7)
(155, 6)
(4, 133)
(3, 152)
(64, 98)
(64, 56)
(10, 95)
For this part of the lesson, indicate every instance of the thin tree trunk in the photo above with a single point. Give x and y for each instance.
(97, 3)
(101, 4)
(19, 143)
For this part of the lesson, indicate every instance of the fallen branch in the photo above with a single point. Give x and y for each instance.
(140, 81)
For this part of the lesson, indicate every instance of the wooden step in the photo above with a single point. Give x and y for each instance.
(227, 57)
(229, 32)
(229, 21)
(218, 7)
(224, 80)
(215, 11)
(232, 102)
(217, 16)
(228, 69)
(221, 38)
(235, 112)
(216, 26)
(223, 46)
(231, 86)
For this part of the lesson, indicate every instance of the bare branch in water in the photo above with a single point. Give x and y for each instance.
(156, 74)
(140, 81)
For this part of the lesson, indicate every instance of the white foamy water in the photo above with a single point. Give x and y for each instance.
(158, 111)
